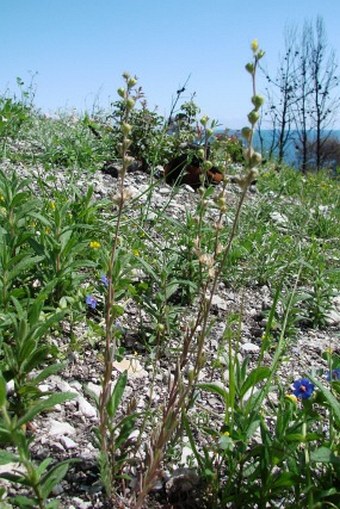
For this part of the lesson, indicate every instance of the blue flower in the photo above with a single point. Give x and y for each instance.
(333, 375)
(303, 388)
(104, 280)
(91, 301)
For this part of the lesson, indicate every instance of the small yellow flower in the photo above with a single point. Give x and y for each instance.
(52, 204)
(94, 244)
(47, 230)
(135, 252)
(329, 350)
(254, 45)
(1, 197)
(292, 398)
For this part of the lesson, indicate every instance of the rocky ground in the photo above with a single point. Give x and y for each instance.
(67, 431)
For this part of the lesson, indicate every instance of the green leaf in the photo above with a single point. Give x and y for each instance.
(125, 427)
(256, 376)
(43, 327)
(215, 389)
(35, 358)
(284, 480)
(53, 477)
(23, 502)
(24, 265)
(7, 457)
(253, 425)
(43, 466)
(198, 457)
(52, 504)
(171, 289)
(45, 404)
(117, 394)
(334, 404)
(324, 455)
(45, 373)
(2, 391)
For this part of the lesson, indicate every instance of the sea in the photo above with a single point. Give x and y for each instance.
(291, 153)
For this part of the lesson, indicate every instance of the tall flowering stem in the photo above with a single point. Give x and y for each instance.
(252, 160)
(180, 393)
(119, 199)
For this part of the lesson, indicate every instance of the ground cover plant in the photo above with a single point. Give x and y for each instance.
(161, 347)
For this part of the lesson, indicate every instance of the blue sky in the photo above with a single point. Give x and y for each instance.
(79, 48)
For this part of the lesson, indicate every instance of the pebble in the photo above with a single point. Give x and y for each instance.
(86, 408)
(95, 388)
(278, 218)
(249, 348)
(80, 504)
(68, 443)
(333, 317)
(219, 303)
(61, 428)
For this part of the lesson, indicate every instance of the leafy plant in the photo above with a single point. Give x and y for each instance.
(41, 479)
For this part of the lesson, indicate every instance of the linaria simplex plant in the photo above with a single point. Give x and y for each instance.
(110, 398)
(192, 355)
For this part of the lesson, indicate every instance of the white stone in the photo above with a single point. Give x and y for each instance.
(81, 504)
(219, 302)
(249, 348)
(68, 443)
(336, 302)
(333, 317)
(61, 428)
(86, 408)
(279, 218)
(186, 454)
(95, 388)
(44, 387)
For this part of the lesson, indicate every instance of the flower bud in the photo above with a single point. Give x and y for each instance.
(128, 159)
(209, 132)
(204, 120)
(221, 203)
(246, 133)
(257, 101)
(129, 103)
(207, 165)
(126, 128)
(200, 153)
(253, 117)
(126, 75)
(120, 148)
(254, 45)
(255, 159)
(131, 82)
(292, 398)
(260, 54)
(160, 327)
(121, 91)
(250, 68)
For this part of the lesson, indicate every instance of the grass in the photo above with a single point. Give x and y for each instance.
(68, 256)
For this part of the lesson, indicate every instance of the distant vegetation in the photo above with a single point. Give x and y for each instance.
(303, 98)
(67, 259)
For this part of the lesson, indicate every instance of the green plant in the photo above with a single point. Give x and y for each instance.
(41, 479)
(266, 457)
(109, 400)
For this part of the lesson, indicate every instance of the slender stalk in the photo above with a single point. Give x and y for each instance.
(110, 341)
